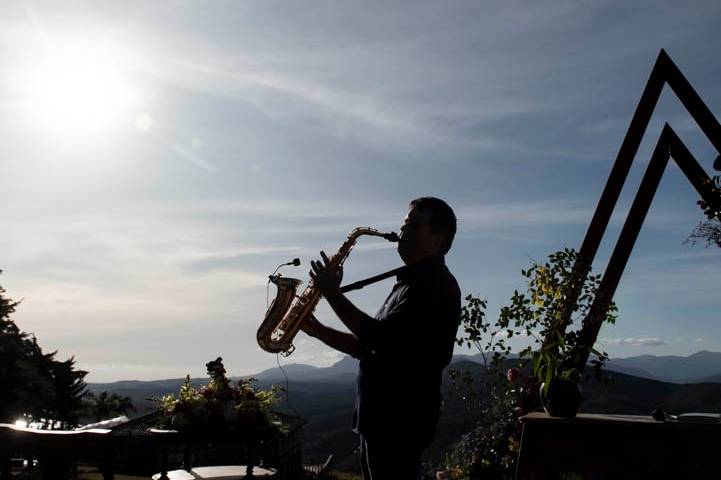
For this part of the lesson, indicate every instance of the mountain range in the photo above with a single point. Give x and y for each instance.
(325, 396)
(700, 367)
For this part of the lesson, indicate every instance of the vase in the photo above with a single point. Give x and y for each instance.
(562, 398)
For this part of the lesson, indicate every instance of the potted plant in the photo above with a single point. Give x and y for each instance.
(552, 363)
(536, 315)
(560, 390)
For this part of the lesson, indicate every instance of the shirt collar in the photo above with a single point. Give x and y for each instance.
(420, 269)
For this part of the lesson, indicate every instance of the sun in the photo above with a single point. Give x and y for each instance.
(77, 88)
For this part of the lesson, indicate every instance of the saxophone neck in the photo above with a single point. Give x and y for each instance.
(357, 232)
(350, 242)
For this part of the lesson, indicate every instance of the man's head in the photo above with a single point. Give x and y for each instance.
(428, 230)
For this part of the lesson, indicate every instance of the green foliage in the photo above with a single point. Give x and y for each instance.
(509, 388)
(709, 231)
(34, 384)
(540, 311)
(106, 405)
(219, 405)
(7, 307)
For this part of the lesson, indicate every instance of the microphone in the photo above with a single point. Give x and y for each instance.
(295, 262)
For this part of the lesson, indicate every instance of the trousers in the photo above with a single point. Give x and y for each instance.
(390, 458)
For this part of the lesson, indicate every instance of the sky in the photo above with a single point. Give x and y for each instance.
(158, 160)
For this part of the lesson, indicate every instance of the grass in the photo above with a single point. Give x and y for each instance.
(345, 476)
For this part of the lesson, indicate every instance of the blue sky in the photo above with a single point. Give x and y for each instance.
(159, 159)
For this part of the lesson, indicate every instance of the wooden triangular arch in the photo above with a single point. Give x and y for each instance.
(669, 145)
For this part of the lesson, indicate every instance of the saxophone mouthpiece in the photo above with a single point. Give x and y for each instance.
(391, 237)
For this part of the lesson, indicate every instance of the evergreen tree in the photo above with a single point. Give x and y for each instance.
(34, 383)
(22, 384)
(69, 389)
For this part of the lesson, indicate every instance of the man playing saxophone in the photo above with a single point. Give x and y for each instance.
(404, 348)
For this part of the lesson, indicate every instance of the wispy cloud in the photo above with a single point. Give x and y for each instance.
(195, 159)
(637, 342)
(522, 214)
(278, 94)
(605, 126)
(239, 261)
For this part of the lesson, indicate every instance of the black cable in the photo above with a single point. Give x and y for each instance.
(287, 387)
(277, 356)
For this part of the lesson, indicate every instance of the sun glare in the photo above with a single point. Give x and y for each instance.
(75, 88)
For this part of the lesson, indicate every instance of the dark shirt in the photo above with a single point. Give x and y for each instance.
(403, 352)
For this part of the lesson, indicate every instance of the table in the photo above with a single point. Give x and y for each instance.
(251, 438)
(56, 450)
(599, 447)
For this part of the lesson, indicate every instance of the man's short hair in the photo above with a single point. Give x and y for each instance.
(443, 220)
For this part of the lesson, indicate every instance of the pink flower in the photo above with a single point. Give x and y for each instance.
(512, 374)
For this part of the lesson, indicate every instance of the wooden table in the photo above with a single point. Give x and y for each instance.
(599, 447)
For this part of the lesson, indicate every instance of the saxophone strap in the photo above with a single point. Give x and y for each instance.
(362, 283)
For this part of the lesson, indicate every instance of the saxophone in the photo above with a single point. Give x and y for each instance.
(283, 320)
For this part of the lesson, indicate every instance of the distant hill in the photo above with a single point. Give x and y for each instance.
(711, 379)
(325, 397)
(344, 370)
(612, 366)
(701, 366)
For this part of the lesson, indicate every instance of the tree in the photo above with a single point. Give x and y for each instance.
(107, 405)
(69, 388)
(24, 388)
(34, 384)
(709, 231)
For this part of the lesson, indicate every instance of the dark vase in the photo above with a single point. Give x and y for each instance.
(562, 399)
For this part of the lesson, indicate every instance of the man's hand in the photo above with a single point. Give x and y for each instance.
(326, 277)
(341, 341)
(312, 326)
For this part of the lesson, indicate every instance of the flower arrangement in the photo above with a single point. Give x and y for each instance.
(221, 405)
